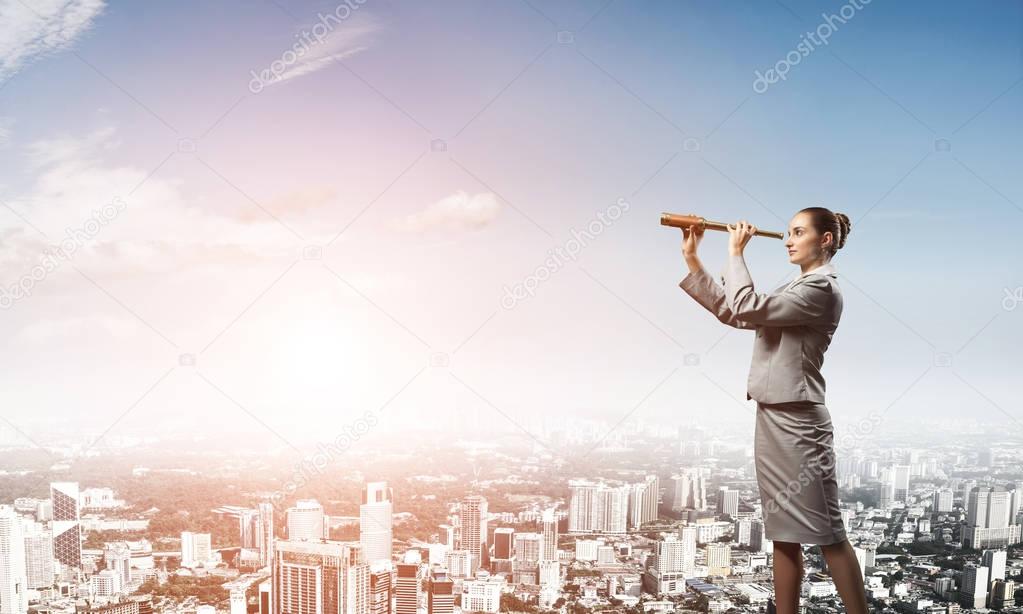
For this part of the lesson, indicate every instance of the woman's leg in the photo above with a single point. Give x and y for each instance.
(788, 576)
(846, 574)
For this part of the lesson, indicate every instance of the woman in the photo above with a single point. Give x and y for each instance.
(793, 444)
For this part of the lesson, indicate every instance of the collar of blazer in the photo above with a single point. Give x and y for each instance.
(824, 269)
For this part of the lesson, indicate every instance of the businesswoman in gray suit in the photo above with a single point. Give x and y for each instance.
(793, 444)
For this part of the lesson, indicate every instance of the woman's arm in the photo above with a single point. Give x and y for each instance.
(801, 303)
(702, 287)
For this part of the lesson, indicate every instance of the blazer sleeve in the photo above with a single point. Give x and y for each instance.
(702, 287)
(797, 305)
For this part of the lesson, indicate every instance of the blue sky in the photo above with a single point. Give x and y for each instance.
(651, 102)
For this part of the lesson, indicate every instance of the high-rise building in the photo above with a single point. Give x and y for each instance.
(994, 560)
(942, 501)
(987, 519)
(690, 491)
(324, 577)
(408, 588)
(527, 558)
(973, 592)
(719, 559)
(440, 595)
(196, 549)
(117, 558)
(266, 533)
(248, 529)
(728, 501)
(482, 594)
(549, 550)
(380, 589)
(13, 578)
(375, 515)
(1002, 594)
(38, 554)
(66, 528)
(598, 508)
(643, 499)
(473, 517)
(305, 521)
(900, 481)
(504, 543)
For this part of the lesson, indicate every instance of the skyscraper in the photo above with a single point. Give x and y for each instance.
(408, 588)
(440, 595)
(504, 543)
(987, 519)
(66, 530)
(473, 516)
(728, 501)
(375, 514)
(196, 549)
(38, 554)
(690, 491)
(248, 529)
(643, 501)
(305, 521)
(973, 593)
(598, 508)
(13, 578)
(266, 533)
(380, 589)
(324, 577)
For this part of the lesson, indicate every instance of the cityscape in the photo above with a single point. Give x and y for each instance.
(659, 521)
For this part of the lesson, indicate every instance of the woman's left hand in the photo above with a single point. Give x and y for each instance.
(739, 235)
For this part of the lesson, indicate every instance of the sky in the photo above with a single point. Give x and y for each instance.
(266, 222)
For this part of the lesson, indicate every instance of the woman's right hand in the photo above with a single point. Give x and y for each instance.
(691, 238)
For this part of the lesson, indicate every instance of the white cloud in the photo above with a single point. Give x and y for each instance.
(348, 40)
(32, 29)
(458, 211)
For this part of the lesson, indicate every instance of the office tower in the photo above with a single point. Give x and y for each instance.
(473, 519)
(440, 595)
(117, 558)
(973, 592)
(248, 529)
(942, 501)
(266, 533)
(305, 521)
(549, 550)
(675, 559)
(994, 560)
(728, 501)
(690, 491)
(643, 501)
(719, 559)
(598, 508)
(458, 563)
(375, 515)
(266, 595)
(483, 594)
(527, 558)
(380, 589)
(504, 543)
(756, 535)
(1002, 594)
(741, 532)
(13, 577)
(321, 577)
(66, 530)
(900, 481)
(196, 549)
(987, 519)
(38, 554)
(408, 588)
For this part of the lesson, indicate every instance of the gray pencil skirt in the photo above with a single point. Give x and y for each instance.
(795, 462)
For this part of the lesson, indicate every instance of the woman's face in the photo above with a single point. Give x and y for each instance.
(804, 244)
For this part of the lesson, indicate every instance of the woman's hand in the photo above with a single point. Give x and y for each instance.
(691, 238)
(738, 236)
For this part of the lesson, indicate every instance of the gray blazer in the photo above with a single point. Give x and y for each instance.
(794, 326)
